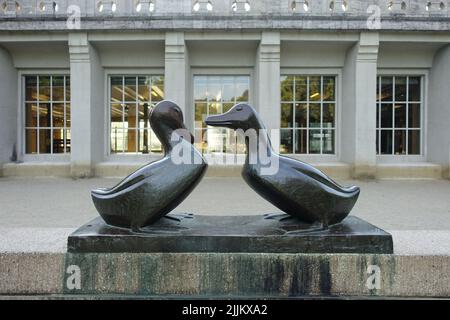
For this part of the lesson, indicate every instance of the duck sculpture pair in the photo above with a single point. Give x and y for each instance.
(153, 191)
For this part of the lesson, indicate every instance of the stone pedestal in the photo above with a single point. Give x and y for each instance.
(181, 233)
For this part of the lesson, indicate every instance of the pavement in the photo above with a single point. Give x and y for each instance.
(37, 214)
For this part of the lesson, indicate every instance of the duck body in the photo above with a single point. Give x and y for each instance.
(302, 191)
(297, 188)
(154, 190)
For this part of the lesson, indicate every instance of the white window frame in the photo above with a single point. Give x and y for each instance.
(337, 73)
(406, 158)
(21, 144)
(125, 157)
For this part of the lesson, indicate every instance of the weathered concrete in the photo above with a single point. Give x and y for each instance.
(226, 275)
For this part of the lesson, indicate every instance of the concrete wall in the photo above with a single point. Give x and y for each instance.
(8, 107)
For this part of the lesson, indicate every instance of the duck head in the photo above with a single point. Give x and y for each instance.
(241, 116)
(165, 119)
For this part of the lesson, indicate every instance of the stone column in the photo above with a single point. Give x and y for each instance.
(438, 135)
(267, 82)
(8, 108)
(87, 106)
(358, 126)
(176, 74)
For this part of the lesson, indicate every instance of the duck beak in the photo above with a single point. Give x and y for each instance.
(222, 120)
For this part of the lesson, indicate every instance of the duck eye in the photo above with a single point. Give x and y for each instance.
(239, 108)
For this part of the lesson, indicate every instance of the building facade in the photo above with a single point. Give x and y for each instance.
(358, 88)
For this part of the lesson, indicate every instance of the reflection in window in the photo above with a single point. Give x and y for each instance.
(216, 95)
(399, 112)
(131, 99)
(308, 106)
(47, 114)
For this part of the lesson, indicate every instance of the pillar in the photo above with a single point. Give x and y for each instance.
(438, 135)
(87, 106)
(358, 128)
(267, 82)
(8, 108)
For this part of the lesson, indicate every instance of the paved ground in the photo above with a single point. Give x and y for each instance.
(37, 214)
(66, 203)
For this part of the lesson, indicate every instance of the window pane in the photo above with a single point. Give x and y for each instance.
(143, 115)
(157, 88)
(400, 88)
(31, 115)
(414, 116)
(44, 115)
(58, 115)
(314, 141)
(414, 89)
(117, 89)
(144, 88)
(386, 141)
(301, 144)
(378, 115)
(287, 88)
(31, 88)
(386, 89)
(228, 89)
(301, 116)
(130, 115)
(328, 141)
(44, 88)
(400, 142)
(68, 115)
(58, 140)
(67, 88)
(200, 115)
(130, 89)
(58, 88)
(314, 88)
(200, 88)
(215, 108)
(328, 115)
(31, 141)
(242, 88)
(386, 115)
(286, 141)
(400, 115)
(378, 96)
(216, 139)
(287, 116)
(117, 139)
(155, 144)
(214, 89)
(45, 141)
(314, 115)
(200, 140)
(378, 142)
(227, 107)
(68, 140)
(414, 142)
(116, 113)
(329, 89)
(301, 88)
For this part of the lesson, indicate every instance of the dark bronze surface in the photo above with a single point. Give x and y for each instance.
(297, 188)
(275, 233)
(157, 188)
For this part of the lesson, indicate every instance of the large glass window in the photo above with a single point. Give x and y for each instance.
(216, 95)
(47, 114)
(308, 114)
(131, 99)
(399, 115)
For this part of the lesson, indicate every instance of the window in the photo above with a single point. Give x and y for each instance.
(131, 99)
(47, 114)
(308, 114)
(399, 115)
(216, 95)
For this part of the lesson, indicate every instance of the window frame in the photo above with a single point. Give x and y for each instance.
(21, 121)
(337, 73)
(125, 157)
(408, 158)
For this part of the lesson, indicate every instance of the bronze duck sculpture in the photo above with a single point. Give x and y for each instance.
(157, 188)
(297, 188)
